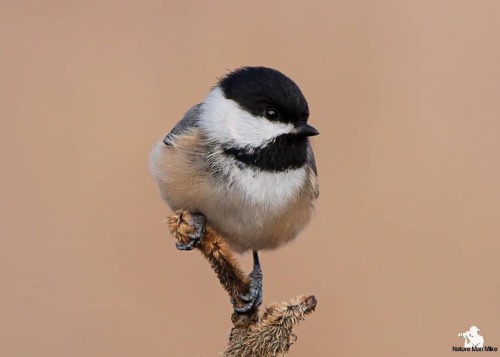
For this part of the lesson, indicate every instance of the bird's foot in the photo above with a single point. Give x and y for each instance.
(196, 223)
(252, 299)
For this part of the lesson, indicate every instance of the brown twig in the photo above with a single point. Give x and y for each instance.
(266, 336)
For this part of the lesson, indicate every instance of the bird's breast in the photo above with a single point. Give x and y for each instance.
(261, 210)
(267, 190)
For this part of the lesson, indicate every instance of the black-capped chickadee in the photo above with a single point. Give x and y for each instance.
(242, 161)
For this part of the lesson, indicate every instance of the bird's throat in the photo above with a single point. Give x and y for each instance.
(286, 152)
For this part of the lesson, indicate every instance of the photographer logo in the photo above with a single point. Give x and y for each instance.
(473, 342)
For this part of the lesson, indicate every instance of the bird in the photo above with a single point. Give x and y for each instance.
(242, 162)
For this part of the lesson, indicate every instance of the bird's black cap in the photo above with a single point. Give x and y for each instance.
(267, 92)
(257, 89)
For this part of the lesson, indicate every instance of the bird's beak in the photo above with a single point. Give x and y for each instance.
(306, 130)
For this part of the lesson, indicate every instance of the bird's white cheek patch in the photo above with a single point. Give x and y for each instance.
(227, 123)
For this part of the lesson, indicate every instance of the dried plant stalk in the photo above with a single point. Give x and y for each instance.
(266, 336)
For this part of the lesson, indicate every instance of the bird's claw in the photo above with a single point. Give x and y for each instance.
(253, 298)
(188, 246)
(198, 222)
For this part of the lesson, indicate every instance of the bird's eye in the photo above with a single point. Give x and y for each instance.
(271, 114)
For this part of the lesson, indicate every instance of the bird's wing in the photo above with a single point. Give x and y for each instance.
(311, 161)
(313, 173)
(189, 121)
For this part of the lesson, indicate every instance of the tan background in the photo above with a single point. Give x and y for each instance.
(403, 252)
